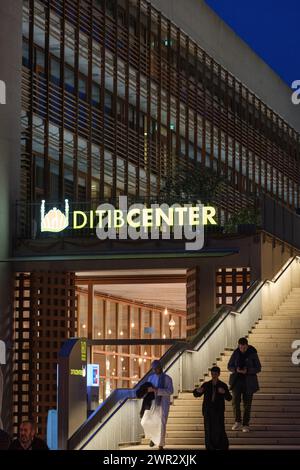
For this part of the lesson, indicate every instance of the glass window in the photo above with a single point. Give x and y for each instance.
(95, 94)
(69, 79)
(82, 155)
(131, 179)
(25, 19)
(54, 38)
(69, 44)
(95, 161)
(68, 148)
(108, 168)
(55, 70)
(68, 182)
(39, 24)
(39, 60)
(83, 62)
(54, 181)
(38, 134)
(82, 188)
(82, 88)
(98, 317)
(95, 189)
(108, 103)
(53, 144)
(25, 53)
(39, 172)
(111, 310)
(120, 174)
(82, 307)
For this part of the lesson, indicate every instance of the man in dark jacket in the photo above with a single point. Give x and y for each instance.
(244, 364)
(27, 439)
(215, 393)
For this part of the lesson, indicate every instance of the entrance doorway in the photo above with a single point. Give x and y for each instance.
(129, 304)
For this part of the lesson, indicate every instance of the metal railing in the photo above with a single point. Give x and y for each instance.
(117, 420)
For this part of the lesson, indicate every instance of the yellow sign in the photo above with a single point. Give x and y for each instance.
(83, 350)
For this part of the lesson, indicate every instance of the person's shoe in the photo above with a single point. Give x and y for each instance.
(160, 448)
(237, 426)
(246, 429)
(151, 444)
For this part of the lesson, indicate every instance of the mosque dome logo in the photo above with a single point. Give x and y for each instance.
(55, 220)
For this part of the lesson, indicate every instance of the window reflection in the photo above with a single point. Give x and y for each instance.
(123, 365)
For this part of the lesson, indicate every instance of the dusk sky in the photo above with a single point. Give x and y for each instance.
(270, 27)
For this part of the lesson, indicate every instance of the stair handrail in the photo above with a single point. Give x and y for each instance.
(107, 409)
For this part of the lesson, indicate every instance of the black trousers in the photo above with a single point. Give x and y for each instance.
(214, 427)
(239, 393)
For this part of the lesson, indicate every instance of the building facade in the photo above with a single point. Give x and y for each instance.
(116, 99)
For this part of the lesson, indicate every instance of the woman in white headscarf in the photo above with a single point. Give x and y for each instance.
(154, 420)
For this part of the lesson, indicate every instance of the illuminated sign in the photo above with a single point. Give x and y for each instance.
(81, 372)
(93, 375)
(149, 330)
(2, 92)
(136, 221)
(54, 220)
(83, 350)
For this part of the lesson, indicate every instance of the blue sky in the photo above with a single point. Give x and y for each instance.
(270, 27)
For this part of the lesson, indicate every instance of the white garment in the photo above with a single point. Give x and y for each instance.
(151, 422)
(156, 418)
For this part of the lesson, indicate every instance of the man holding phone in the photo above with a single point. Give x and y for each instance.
(244, 364)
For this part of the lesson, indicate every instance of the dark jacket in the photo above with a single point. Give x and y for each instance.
(37, 444)
(251, 362)
(147, 397)
(4, 440)
(219, 403)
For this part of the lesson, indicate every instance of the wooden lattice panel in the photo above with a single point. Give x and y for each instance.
(45, 316)
(192, 301)
(231, 283)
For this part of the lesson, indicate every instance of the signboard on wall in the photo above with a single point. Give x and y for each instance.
(72, 388)
(93, 379)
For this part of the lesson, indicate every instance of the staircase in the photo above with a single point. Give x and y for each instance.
(275, 408)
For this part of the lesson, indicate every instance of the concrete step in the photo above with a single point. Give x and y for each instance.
(181, 421)
(244, 439)
(271, 361)
(280, 335)
(266, 368)
(275, 355)
(261, 326)
(283, 320)
(257, 396)
(258, 405)
(284, 343)
(171, 427)
(235, 434)
(262, 413)
(275, 384)
(277, 317)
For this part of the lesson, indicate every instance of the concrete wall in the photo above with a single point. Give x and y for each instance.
(203, 25)
(10, 73)
(273, 256)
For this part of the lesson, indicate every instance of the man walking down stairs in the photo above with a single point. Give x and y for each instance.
(244, 366)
